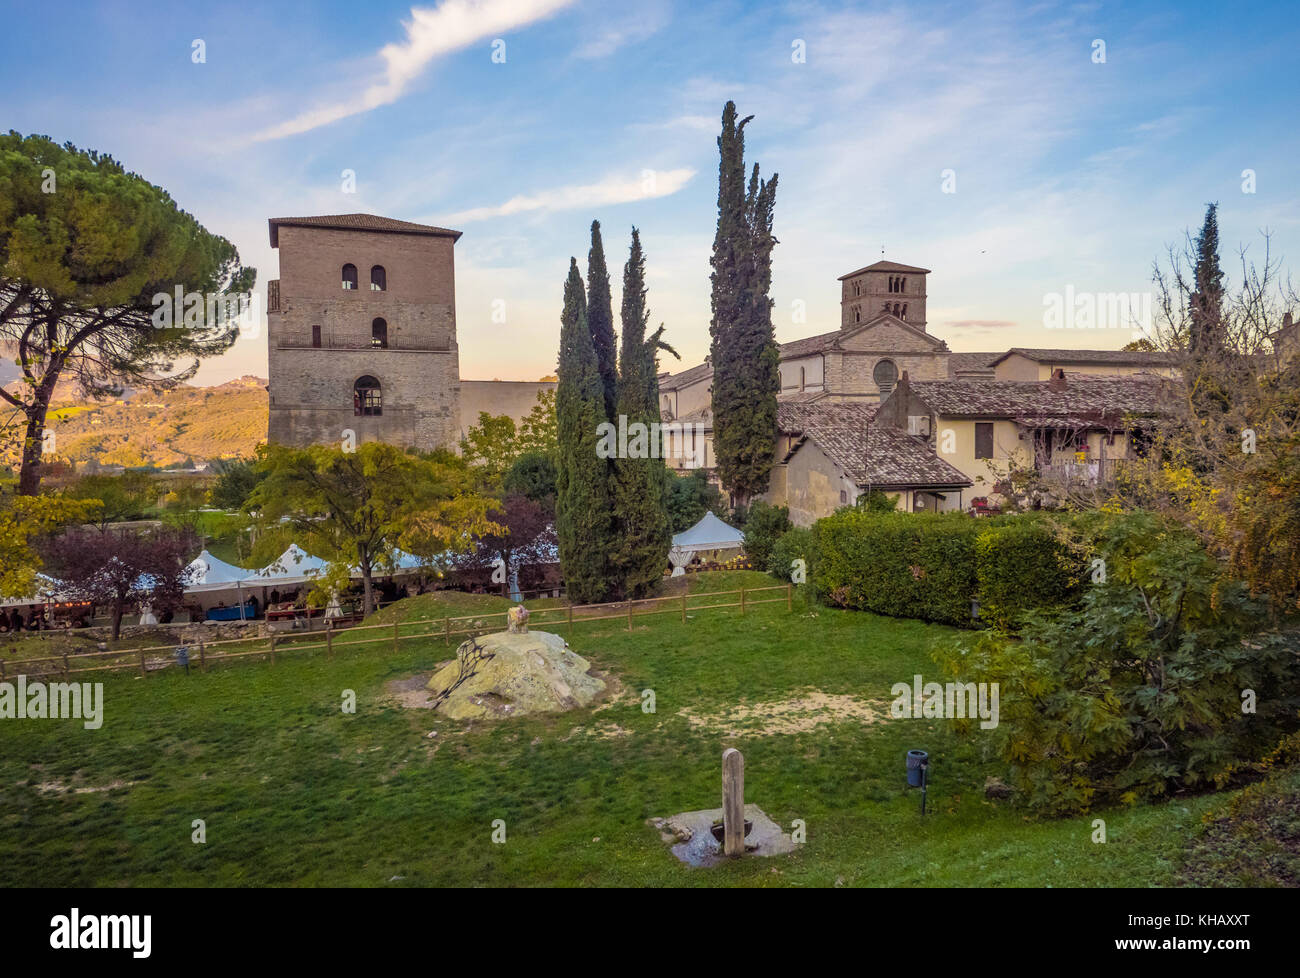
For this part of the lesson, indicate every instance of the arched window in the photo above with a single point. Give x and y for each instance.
(349, 276)
(379, 334)
(857, 314)
(367, 397)
(904, 313)
(885, 375)
(315, 336)
(902, 285)
(378, 279)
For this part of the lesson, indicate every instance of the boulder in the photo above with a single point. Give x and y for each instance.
(508, 674)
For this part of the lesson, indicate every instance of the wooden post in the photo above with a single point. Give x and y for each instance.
(329, 639)
(629, 614)
(203, 660)
(570, 617)
(789, 596)
(683, 607)
(733, 802)
(66, 671)
(446, 622)
(273, 648)
(742, 600)
(395, 624)
(142, 669)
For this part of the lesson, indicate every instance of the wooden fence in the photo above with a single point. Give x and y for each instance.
(445, 628)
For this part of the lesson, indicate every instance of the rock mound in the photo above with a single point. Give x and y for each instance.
(508, 674)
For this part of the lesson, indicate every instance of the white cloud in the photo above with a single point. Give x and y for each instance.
(614, 189)
(430, 33)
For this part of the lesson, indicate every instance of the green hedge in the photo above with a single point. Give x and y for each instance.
(797, 544)
(932, 566)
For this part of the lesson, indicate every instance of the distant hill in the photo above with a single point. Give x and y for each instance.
(146, 428)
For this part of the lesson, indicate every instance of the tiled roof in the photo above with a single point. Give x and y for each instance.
(809, 345)
(689, 376)
(869, 455)
(1100, 397)
(886, 266)
(1136, 358)
(966, 363)
(355, 222)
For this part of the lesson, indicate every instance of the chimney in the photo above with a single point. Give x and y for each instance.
(1057, 383)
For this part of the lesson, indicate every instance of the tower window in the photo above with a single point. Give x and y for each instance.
(379, 334)
(857, 314)
(367, 398)
(349, 276)
(315, 336)
(378, 279)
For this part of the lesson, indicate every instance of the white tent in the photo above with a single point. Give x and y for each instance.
(294, 566)
(709, 536)
(209, 573)
(48, 590)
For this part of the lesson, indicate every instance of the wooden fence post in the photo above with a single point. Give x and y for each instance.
(570, 617)
(395, 624)
(329, 639)
(683, 607)
(446, 622)
(142, 669)
(629, 614)
(273, 648)
(742, 600)
(203, 660)
(789, 596)
(66, 671)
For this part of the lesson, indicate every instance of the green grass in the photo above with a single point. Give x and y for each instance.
(295, 792)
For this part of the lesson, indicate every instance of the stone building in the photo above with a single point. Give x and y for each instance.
(362, 332)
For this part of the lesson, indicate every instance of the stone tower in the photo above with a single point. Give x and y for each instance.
(885, 287)
(362, 332)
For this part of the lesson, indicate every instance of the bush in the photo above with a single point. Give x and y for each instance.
(908, 565)
(797, 544)
(1137, 691)
(1021, 564)
(764, 525)
(690, 497)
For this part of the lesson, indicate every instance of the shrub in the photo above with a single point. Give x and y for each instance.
(1137, 691)
(763, 525)
(1021, 564)
(797, 544)
(908, 565)
(876, 501)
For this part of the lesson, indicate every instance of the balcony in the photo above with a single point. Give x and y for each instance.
(1093, 472)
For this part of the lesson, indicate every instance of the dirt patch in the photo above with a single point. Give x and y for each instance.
(601, 731)
(59, 788)
(806, 711)
(412, 693)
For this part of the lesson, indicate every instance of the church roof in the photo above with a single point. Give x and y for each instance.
(356, 222)
(886, 266)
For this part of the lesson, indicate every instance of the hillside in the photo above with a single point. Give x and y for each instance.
(147, 428)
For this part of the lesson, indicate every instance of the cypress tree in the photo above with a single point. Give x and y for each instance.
(1206, 326)
(583, 514)
(600, 319)
(743, 349)
(644, 534)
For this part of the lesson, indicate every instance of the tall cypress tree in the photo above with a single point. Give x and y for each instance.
(644, 533)
(582, 506)
(600, 319)
(744, 351)
(1206, 313)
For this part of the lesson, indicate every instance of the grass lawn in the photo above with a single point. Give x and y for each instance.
(294, 791)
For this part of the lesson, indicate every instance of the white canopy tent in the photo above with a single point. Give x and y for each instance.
(208, 573)
(709, 536)
(294, 566)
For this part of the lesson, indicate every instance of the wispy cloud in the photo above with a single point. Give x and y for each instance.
(615, 189)
(645, 21)
(430, 33)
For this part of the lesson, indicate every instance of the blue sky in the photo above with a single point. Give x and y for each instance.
(1068, 172)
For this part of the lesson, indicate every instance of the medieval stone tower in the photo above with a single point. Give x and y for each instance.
(362, 332)
(885, 287)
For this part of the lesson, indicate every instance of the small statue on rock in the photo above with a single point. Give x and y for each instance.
(517, 620)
